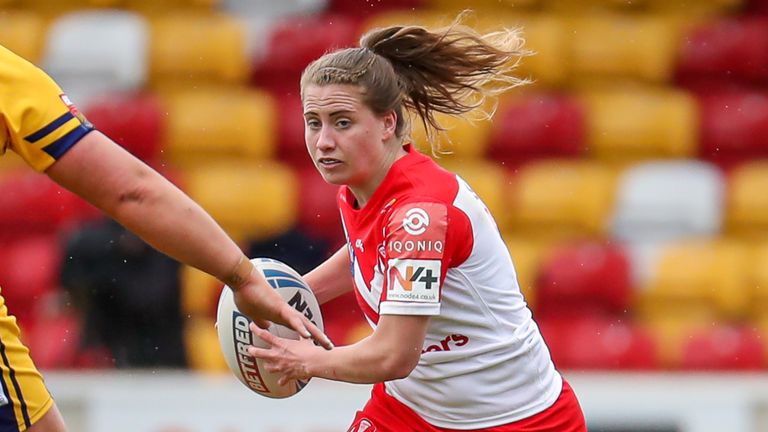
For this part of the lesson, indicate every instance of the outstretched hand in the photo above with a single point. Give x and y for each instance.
(287, 357)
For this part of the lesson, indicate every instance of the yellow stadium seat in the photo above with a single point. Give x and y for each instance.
(759, 282)
(698, 279)
(199, 292)
(699, 7)
(203, 47)
(202, 345)
(486, 178)
(627, 125)
(251, 200)
(463, 139)
(747, 202)
(561, 198)
(670, 334)
(23, 32)
(155, 7)
(623, 47)
(527, 255)
(206, 124)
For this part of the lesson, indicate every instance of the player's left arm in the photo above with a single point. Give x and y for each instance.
(390, 352)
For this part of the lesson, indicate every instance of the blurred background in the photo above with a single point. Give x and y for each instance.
(630, 181)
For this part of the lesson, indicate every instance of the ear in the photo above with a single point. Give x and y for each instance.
(390, 124)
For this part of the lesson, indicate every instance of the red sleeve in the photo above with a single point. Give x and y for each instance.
(423, 239)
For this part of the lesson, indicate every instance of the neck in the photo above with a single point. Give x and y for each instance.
(363, 192)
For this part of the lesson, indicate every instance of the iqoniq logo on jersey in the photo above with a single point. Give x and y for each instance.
(416, 221)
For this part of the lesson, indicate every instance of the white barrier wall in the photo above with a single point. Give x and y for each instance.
(186, 402)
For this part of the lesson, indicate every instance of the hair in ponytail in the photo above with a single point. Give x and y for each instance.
(452, 70)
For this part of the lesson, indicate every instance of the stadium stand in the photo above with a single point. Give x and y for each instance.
(628, 179)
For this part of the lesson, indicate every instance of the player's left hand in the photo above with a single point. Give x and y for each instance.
(284, 356)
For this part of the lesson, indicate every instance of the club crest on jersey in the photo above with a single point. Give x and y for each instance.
(413, 280)
(416, 221)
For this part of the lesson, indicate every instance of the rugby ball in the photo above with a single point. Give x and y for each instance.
(234, 335)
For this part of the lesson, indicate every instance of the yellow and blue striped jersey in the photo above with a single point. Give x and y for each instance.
(37, 120)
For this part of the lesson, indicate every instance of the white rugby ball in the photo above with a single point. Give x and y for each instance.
(234, 335)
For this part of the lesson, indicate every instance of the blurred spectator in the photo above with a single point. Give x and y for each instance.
(128, 294)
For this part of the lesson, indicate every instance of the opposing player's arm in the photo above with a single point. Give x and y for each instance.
(331, 278)
(142, 200)
(390, 353)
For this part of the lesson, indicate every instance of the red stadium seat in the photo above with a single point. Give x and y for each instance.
(133, 120)
(32, 203)
(53, 341)
(725, 50)
(290, 130)
(318, 213)
(357, 7)
(30, 271)
(724, 348)
(598, 343)
(584, 279)
(734, 126)
(544, 125)
(308, 39)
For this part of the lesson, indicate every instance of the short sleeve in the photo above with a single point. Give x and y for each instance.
(415, 259)
(41, 123)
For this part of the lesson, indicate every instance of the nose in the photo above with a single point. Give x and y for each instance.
(325, 139)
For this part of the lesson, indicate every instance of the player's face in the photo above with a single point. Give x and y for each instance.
(347, 141)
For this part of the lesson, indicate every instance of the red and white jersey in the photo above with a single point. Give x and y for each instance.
(425, 244)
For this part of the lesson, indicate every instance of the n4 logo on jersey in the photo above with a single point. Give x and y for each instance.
(413, 280)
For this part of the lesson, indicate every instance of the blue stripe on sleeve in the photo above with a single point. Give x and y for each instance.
(57, 148)
(52, 126)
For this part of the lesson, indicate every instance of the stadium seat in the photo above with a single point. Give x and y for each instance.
(319, 213)
(730, 49)
(462, 140)
(358, 8)
(666, 200)
(214, 50)
(536, 126)
(622, 47)
(734, 126)
(199, 292)
(291, 147)
(662, 124)
(487, 178)
(251, 200)
(747, 203)
(697, 8)
(208, 124)
(133, 120)
(707, 280)
(53, 341)
(670, 334)
(528, 256)
(759, 283)
(155, 8)
(202, 345)
(30, 272)
(94, 52)
(33, 204)
(23, 32)
(309, 38)
(584, 279)
(560, 198)
(590, 343)
(724, 348)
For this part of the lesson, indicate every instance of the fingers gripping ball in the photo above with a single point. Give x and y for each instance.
(234, 335)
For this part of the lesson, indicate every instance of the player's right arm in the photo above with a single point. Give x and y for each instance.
(331, 278)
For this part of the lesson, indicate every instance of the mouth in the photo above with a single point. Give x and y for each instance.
(326, 162)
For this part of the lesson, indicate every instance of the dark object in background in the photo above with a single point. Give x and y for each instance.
(128, 294)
